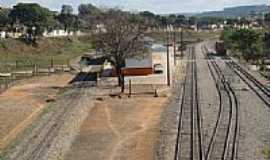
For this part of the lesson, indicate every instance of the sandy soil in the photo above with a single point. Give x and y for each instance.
(20, 104)
(119, 129)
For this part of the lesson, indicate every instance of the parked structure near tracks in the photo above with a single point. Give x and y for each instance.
(136, 66)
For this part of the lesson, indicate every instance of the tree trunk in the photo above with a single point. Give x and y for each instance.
(123, 84)
(121, 79)
(118, 72)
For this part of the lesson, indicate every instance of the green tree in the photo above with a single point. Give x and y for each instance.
(231, 21)
(243, 21)
(67, 9)
(267, 17)
(210, 20)
(162, 21)
(266, 44)
(89, 16)
(149, 18)
(52, 22)
(4, 19)
(180, 20)
(147, 14)
(192, 20)
(87, 9)
(31, 15)
(171, 19)
(68, 19)
(226, 36)
(248, 43)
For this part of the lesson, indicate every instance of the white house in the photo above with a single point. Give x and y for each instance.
(2, 34)
(56, 33)
(194, 27)
(100, 28)
(213, 26)
(61, 33)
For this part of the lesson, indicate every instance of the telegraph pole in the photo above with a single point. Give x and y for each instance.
(181, 36)
(168, 62)
(174, 47)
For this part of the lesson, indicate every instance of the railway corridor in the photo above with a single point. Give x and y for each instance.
(226, 132)
(250, 114)
(224, 111)
(189, 139)
(195, 140)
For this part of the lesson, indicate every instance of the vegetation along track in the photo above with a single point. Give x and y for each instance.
(223, 142)
(189, 138)
(258, 88)
(35, 145)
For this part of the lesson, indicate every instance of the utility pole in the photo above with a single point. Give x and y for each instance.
(182, 47)
(263, 20)
(168, 62)
(174, 47)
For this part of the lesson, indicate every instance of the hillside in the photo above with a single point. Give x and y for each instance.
(241, 11)
(59, 49)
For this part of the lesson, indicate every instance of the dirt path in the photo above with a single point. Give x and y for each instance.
(119, 129)
(22, 103)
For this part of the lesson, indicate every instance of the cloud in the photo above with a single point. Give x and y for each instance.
(157, 6)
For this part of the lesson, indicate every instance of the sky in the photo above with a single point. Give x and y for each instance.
(156, 6)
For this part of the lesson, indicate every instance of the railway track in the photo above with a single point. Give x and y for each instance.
(189, 137)
(223, 142)
(255, 85)
(40, 139)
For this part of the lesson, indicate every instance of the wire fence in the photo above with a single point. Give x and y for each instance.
(12, 72)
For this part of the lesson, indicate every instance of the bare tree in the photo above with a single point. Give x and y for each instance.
(121, 38)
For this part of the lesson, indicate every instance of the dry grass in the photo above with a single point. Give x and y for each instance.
(266, 153)
(188, 36)
(61, 50)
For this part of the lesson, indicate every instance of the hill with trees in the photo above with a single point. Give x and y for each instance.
(233, 12)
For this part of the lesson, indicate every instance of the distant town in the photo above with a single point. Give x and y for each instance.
(67, 23)
(106, 83)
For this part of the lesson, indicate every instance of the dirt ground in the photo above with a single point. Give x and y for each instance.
(117, 129)
(20, 104)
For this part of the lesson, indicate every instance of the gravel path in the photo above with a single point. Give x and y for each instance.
(50, 136)
(170, 116)
(209, 100)
(254, 135)
(254, 119)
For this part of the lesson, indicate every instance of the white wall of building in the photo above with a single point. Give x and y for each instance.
(61, 33)
(2, 34)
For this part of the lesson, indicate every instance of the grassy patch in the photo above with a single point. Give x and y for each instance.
(266, 153)
(2, 156)
(58, 50)
(188, 35)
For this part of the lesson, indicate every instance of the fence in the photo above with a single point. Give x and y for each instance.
(30, 63)
(16, 72)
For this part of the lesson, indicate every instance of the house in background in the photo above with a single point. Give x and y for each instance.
(61, 33)
(133, 67)
(3, 34)
(139, 66)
